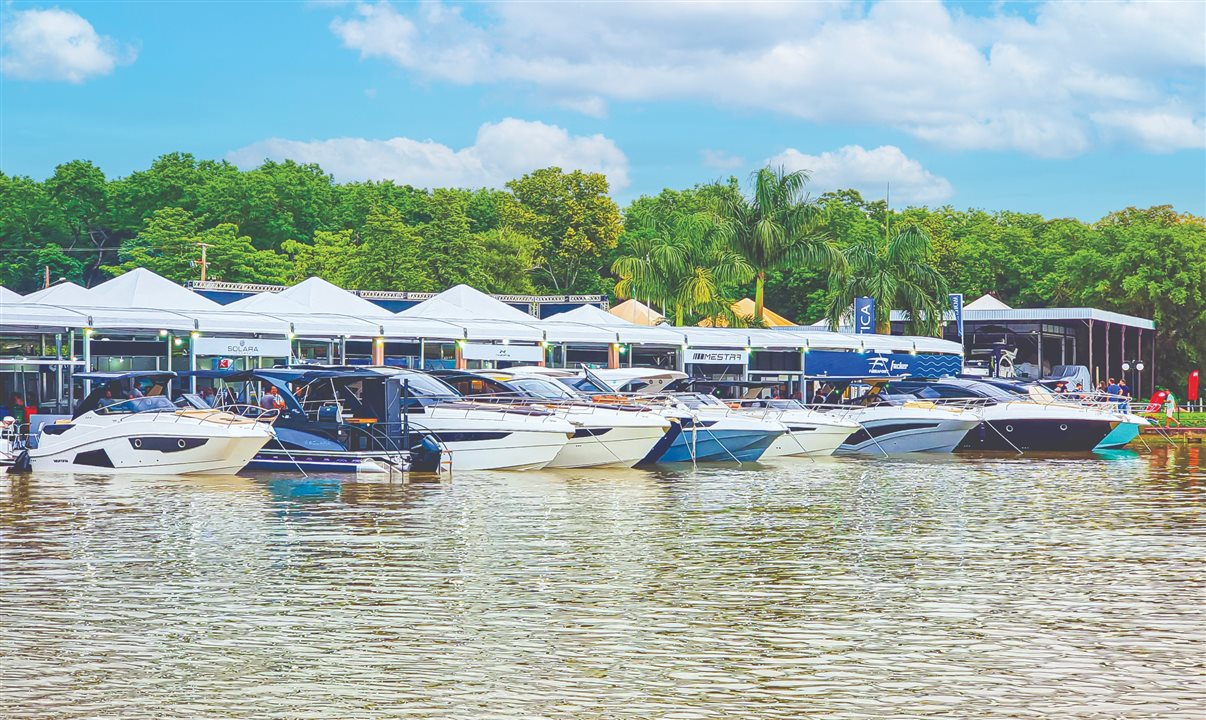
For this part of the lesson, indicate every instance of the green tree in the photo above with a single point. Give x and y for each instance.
(895, 269)
(686, 266)
(389, 255)
(507, 257)
(454, 256)
(170, 245)
(776, 228)
(574, 220)
(329, 257)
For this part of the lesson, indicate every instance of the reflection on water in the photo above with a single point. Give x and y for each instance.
(988, 587)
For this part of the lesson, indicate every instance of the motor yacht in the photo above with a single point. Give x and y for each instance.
(1128, 427)
(319, 432)
(890, 426)
(145, 433)
(710, 430)
(1010, 421)
(604, 435)
(470, 435)
(809, 432)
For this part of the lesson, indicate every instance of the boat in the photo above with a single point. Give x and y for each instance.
(710, 432)
(891, 426)
(604, 435)
(1129, 424)
(1009, 421)
(470, 435)
(316, 435)
(809, 433)
(144, 434)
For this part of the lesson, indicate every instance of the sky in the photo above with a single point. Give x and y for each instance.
(1069, 109)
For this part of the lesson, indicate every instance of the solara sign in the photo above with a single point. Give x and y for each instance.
(241, 347)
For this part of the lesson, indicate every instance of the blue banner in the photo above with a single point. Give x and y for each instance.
(957, 308)
(864, 315)
(853, 364)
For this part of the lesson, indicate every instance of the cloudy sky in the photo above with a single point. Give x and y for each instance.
(1065, 108)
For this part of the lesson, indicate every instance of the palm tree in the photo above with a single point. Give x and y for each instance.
(895, 269)
(777, 228)
(687, 267)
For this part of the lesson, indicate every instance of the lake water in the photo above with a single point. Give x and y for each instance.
(1065, 587)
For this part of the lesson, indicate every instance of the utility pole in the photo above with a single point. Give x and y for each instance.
(45, 276)
(204, 261)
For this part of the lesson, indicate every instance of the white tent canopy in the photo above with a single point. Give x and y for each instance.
(588, 314)
(8, 296)
(67, 293)
(465, 303)
(986, 302)
(141, 288)
(316, 294)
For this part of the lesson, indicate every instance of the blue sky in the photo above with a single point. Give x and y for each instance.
(1070, 109)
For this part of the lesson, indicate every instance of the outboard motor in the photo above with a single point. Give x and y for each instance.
(22, 464)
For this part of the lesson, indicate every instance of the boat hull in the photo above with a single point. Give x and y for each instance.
(1038, 434)
(703, 444)
(808, 439)
(906, 435)
(147, 448)
(622, 446)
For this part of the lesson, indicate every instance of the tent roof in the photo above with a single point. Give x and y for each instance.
(267, 302)
(8, 296)
(745, 308)
(588, 314)
(465, 303)
(67, 293)
(635, 311)
(986, 302)
(316, 294)
(141, 288)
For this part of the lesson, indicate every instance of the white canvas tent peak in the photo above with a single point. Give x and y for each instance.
(66, 293)
(267, 302)
(318, 295)
(986, 302)
(8, 296)
(465, 303)
(141, 288)
(589, 315)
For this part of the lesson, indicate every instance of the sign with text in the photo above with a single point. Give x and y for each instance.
(957, 308)
(864, 315)
(512, 353)
(242, 347)
(855, 364)
(716, 357)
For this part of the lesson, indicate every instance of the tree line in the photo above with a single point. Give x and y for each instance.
(690, 252)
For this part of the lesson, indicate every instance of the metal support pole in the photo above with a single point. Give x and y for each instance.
(1107, 352)
(87, 360)
(1139, 355)
(1042, 370)
(192, 365)
(1093, 370)
(422, 354)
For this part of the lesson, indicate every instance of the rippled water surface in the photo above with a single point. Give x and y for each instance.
(1069, 587)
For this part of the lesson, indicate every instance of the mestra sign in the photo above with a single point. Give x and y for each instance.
(241, 347)
(514, 353)
(716, 357)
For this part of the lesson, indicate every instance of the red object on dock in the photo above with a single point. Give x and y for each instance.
(1192, 395)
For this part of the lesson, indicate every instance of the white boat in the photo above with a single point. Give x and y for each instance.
(604, 435)
(144, 435)
(470, 435)
(908, 427)
(809, 433)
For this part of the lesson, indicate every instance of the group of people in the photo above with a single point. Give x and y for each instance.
(1116, 391)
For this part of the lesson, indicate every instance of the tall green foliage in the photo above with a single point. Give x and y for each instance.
(895, 269)
(776, 227)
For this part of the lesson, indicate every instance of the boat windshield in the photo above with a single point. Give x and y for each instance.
(157, 403)
(541, 388)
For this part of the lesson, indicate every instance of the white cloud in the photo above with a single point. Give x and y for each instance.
(57, 45)
(1158, 130)
(501, 151)
(997, 82)
(869, 172)
(721, 159)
